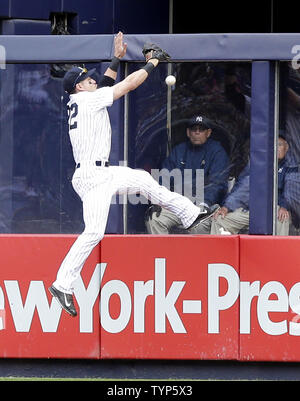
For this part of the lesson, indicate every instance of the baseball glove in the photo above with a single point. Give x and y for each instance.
(157, 52)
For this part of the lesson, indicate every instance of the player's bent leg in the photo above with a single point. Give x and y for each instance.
(140, 181)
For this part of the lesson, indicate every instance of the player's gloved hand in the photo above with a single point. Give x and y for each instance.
(151, 50)
(152, 209)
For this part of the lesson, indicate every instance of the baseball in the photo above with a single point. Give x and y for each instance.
(170, 80)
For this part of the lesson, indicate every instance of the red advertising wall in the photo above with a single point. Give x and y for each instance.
(270, 298)
(177, 297)
(167, 298)
(32, 324)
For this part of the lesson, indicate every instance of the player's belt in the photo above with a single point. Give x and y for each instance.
(99, 163)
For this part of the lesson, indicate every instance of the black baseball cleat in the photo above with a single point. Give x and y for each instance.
(65, 300)
(205, 214)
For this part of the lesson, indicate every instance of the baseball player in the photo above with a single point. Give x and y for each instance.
(94, 180)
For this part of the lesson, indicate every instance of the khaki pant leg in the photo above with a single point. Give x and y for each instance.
(283, 228)
(162, 225)
(233, 222)
(202, 228)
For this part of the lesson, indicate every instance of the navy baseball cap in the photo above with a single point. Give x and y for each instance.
(199, 120)
(75, 75)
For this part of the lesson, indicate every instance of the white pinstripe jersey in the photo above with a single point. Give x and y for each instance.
(89, 124)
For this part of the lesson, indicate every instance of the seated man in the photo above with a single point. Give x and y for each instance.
(233, 216)
(199, 153)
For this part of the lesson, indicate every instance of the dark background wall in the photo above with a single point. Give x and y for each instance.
(235, 17)
(135, 16)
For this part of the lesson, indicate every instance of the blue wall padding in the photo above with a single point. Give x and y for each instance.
(262, 148)
(33, 48)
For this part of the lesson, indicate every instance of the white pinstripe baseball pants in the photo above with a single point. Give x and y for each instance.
(96, 186)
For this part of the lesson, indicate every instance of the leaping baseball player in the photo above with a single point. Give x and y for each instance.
(94, 180)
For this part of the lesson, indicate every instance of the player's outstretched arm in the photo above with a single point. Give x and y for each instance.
(134, 80)
(119, 52)
(110, 75)
(153, 55)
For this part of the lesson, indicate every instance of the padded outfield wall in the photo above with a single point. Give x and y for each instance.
(175, 297)
(139, 297)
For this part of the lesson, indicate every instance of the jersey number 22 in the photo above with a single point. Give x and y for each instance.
(72, 112)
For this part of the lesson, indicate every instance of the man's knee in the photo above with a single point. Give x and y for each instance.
(157, 225)
(92, 237)
(156, 221)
